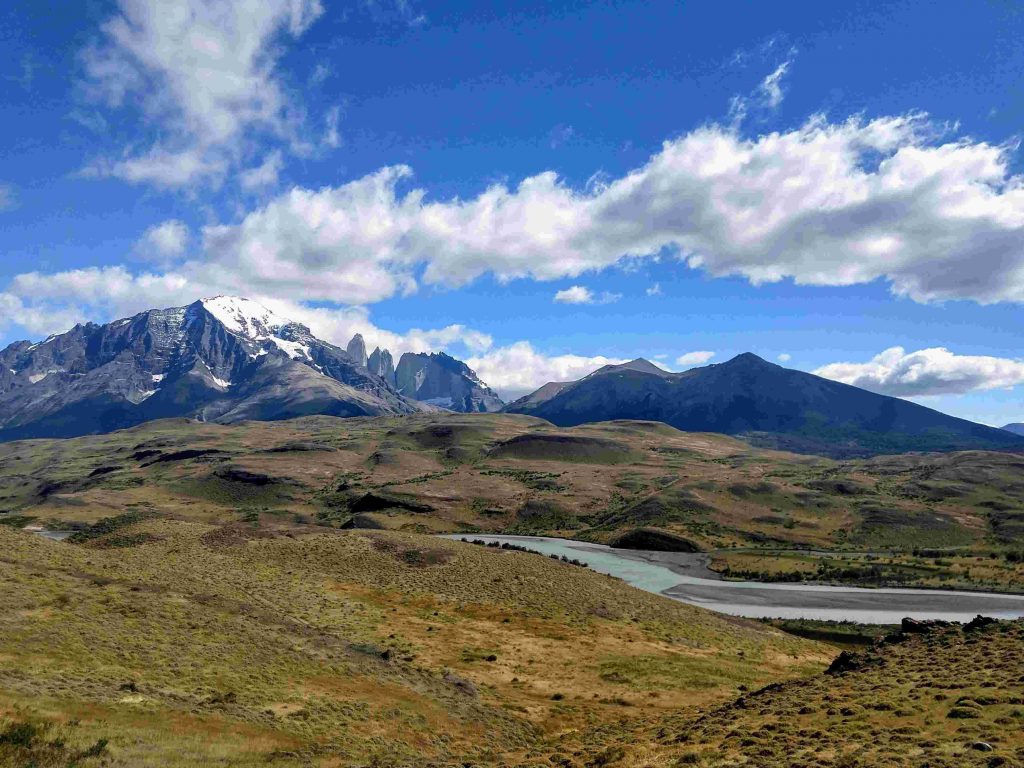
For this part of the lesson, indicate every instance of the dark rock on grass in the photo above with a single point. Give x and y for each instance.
(364, 522)
(652, 539)
(848, 661)
(917, 627)
(377, 502)
(109, 525)
(188, 453)
(236, 475)
(103, 471)
(560, 447)
(979, 622)
(299, 446)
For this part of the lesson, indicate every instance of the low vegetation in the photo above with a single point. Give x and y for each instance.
(939, 520)
(231, 596)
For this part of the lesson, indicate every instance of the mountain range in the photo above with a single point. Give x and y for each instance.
(1017, 428)
(765, 403)
(224, 359)
(229, 359)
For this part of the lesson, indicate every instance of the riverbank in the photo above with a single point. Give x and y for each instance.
(673, 575)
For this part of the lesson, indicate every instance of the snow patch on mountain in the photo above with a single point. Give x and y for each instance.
(244, 317)
(293, 349)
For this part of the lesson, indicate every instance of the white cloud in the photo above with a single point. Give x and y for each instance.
(654, 290)
(340, 244)
(161, 167)
(332, 137)
(824, 204)
(518, 369)
(203, 73)
(263, 175)
(768, 95)
(785, 357)
(771, 86)
(579, 294)
(166, 240)
(927, 372)
(695, 358)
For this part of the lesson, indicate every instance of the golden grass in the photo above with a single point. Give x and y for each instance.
(346, 647)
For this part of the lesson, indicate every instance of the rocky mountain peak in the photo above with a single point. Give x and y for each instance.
(357, 350)
(382, 364)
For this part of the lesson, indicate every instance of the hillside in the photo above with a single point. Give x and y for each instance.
(765, 403)
(170, 643)
(946, 698)
(234, 596)
(940, 519)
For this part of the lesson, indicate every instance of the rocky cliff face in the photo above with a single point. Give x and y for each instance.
(224, 359)
(380, 363)
(443, 381)
(357, 350)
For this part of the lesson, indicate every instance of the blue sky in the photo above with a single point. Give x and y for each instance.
(818, 183)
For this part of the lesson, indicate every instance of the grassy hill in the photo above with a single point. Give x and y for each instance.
(173, 643)
(926, 519)
(216, 608)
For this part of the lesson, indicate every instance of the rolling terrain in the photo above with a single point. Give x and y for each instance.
(263, 594)
(951, 519)
(173, 643)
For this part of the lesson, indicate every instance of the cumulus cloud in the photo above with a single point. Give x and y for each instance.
(785, 357)
(340, 244)
(927, 372)
(654, 290)
(166, 240)
(828, 203)
(518, 369)
(824, 204)
(695, 358)
(203, 73)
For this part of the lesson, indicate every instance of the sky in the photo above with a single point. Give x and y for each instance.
(537, 188)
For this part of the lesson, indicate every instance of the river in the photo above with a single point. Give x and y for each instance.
(685, 577)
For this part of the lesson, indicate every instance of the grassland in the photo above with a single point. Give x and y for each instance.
(171, 643)
(952, 520)
(264, 594)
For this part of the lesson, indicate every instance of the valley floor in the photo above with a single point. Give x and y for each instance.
(272, 594)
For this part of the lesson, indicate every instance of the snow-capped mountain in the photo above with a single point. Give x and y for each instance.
(222, 359)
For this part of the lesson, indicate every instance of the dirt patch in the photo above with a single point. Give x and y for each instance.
(417, 557)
